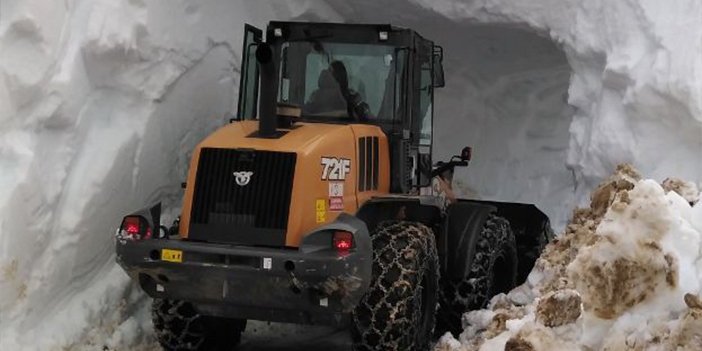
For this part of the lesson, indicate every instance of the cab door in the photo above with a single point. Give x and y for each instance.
(248, 81)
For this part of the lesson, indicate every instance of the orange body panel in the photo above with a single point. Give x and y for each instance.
(311, 142)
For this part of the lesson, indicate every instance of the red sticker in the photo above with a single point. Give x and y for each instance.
(336, 203)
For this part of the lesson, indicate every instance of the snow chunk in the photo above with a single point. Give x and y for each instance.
(688, 190)
(558, 308)
(627, 265)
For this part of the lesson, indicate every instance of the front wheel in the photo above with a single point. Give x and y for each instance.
(179, 327)
(493, 270)
(399, 311)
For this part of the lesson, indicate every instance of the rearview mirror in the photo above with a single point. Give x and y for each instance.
(467, 153)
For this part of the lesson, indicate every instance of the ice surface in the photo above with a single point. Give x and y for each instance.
(101, 102)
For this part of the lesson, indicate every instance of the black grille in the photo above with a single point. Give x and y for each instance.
(255, 213)
(367, 163)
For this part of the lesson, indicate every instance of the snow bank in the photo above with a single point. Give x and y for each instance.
(626, 276)
(101, 102)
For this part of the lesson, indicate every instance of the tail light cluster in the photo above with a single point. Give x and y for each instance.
(135, 228)
(343, 241)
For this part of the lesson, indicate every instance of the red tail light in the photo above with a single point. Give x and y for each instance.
(343, 241)
(136, 228)
(131, 225)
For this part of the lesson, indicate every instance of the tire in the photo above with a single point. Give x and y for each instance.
(179, 327)
(493, 271)
(399, 311)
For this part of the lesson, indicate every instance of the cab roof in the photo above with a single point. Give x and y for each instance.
(341, 32)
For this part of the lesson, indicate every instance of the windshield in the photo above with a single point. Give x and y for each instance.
(339, 80)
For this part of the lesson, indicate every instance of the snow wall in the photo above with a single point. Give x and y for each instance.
(101, 101)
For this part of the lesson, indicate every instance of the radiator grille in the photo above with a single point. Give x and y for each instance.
(255, 213)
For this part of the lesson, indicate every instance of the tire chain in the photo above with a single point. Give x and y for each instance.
(382, 314)
(174, 322)
(471, 293)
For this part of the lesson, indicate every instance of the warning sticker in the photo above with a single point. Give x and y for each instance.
(336, 196)
(336, 189)
(321, 210)
(267, 263)
(336, 204)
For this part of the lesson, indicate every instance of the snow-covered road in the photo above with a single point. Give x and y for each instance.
(263, 336)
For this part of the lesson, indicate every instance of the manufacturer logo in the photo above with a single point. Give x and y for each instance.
(335, 168)
(243, 178)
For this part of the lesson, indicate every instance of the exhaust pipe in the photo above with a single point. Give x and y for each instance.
(267, 120)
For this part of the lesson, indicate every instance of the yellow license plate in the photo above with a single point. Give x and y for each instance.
(172, 255)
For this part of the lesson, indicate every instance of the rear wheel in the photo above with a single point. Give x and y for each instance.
(180, 328)
(399, 311)
(492, 271)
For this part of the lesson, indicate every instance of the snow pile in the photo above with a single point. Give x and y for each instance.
(626, 275)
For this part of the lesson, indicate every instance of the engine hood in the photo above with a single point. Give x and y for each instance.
(325, 175)
(303, 136)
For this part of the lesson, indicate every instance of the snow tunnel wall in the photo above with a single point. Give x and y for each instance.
(635, 90)
(506, 96)
(101, 101)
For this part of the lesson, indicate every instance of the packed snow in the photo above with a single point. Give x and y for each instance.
(626, 275)
(101, 102)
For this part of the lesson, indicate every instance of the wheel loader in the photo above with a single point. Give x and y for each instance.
(320, 203)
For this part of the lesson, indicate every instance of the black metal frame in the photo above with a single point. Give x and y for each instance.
(258, 34)
(339, 33)
(211, 276)
(398, 37)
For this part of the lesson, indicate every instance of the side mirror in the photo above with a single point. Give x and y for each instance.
(438, 67)
(467, 153)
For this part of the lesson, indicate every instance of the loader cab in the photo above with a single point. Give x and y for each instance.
(346, 74)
